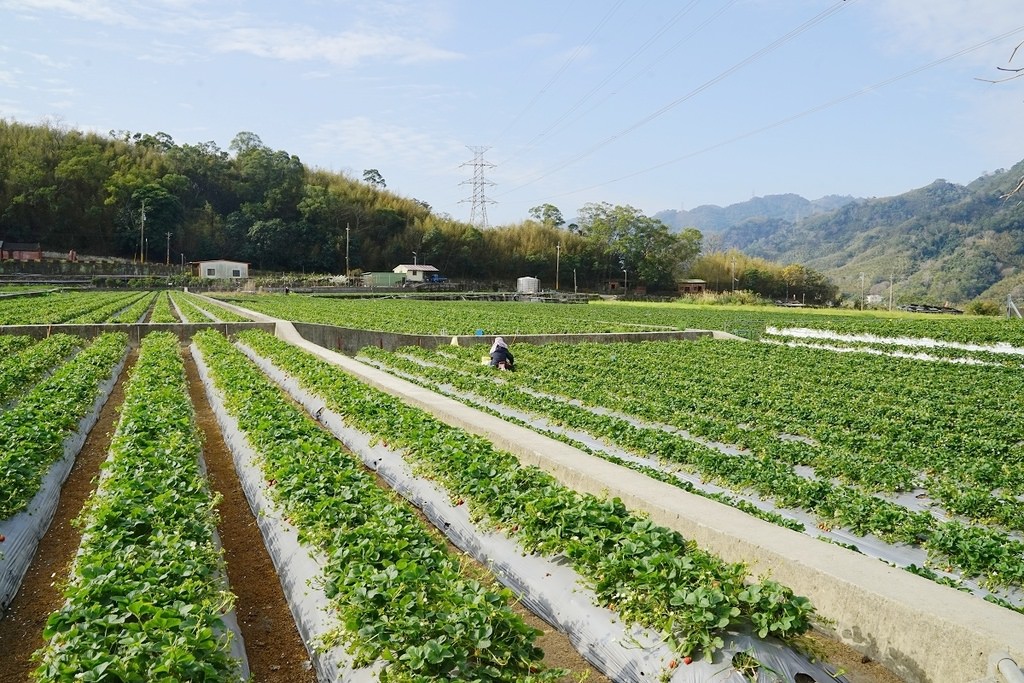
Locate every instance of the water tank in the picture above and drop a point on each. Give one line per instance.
(528, 285)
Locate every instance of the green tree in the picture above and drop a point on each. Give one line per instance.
(373, 177)
(624, 239)
(548, 214)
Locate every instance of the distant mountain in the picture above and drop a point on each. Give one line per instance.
(710, 218)
(940, 243)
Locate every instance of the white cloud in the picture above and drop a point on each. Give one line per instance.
(98, 11)
(9, 109)
(160, 52)
(48, 61)
(387, 144)
(344, 49)
(538, 40)
(940, 28)
(989, 122)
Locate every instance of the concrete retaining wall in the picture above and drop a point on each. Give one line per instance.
(350, 340)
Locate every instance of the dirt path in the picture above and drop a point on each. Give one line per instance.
(21, 630)
(275, 651)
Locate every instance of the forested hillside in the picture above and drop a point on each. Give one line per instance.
(72, 190)
(940, 243)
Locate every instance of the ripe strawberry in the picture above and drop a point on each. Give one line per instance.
(687, 660)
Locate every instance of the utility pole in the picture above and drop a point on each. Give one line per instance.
(479, 201)
(892, 286)
(863, 293)
(558, 254)
(734, 273)
(168, 262)
(1011, 307)
(142, 235)
(348, 270)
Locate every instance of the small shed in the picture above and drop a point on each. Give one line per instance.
(220, 269)
(416, 272)
(20, 251)
(692, 286)
(527, 285)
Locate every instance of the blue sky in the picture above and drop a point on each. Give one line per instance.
(659, 104)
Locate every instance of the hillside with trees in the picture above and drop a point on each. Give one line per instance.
(936, 244)
(145, 197)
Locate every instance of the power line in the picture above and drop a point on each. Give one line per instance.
(807, 25)
(800, 115)
(565, 65)
(554, 127)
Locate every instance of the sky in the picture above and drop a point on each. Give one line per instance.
(655, 104)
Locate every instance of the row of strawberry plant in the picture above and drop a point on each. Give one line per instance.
(188, 309)
(974, 551)
(147, 591)
(650, 575)
(218, 312)
(163, 311)
(12, 343)
(399, 595)
(110, 309)
(54, 308)
(767, 476)
(33, 431)
(439, 380)
(20, 370)
(136, 310)
(882, 424)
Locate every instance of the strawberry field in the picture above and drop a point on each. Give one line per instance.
(360, 498)
(887, 453)
(466, 317)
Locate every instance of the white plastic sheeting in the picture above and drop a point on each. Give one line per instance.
(298, 568)
(914, 342)
(548, 586)
(24, 530)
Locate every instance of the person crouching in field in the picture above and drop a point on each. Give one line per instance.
(501, 357)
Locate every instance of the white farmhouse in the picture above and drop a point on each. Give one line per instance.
(220, 269)
(416, 273)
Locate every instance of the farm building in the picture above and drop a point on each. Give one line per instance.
(692, 286)
(220, 269)
(417, 273)
(20, 251)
